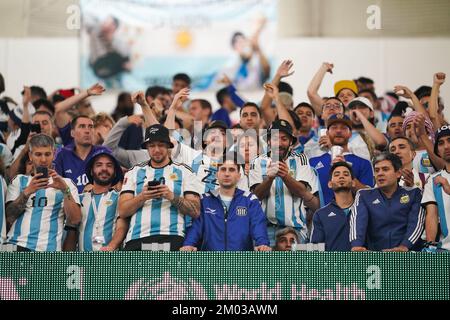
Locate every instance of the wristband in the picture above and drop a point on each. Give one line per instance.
(66, 191)
(431, 244)
(71, 227)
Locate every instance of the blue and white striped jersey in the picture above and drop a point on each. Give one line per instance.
(434, 194)
(159, 216)
(99, 214)
(6, 155)
(2, 210)
(422, 162)
(204, 167)
(40, 227)
(281, 207)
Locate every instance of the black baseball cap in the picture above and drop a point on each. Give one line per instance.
(284, 126)
(157, 133)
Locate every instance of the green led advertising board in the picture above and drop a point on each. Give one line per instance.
(224, 276)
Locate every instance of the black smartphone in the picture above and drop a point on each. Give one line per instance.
(153, 183)
(43, 170)
(35, 127)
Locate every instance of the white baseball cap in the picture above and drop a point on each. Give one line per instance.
(361, 100)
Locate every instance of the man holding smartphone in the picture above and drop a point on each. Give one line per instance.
(158, 196)
(284, 182)
(37, 205)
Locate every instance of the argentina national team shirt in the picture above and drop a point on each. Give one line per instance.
(69, 165)
(6, 155)
(379, 223)
(40, 227)
(3, 189)
(281, 208)
(99, 214)
(434, 193)
(422, 162)
(204, 167)
(159, 216)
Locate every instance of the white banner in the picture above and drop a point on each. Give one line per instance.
(133, 44)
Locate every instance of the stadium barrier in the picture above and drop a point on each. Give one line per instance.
(223, 276)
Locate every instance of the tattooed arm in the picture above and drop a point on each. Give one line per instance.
(188, 205)
(15, 209)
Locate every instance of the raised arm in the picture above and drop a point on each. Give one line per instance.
(26, 105)
(405, 92)
(25, 125)
(374, 133)
(114, 136)
(282, 111)
(283, 71)
(433, 105)
(265, 65)
(419, 125)
(178, 100)
(149, 115)
(313, 88)
(62, 118)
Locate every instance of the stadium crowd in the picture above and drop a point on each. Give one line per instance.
(352, 171)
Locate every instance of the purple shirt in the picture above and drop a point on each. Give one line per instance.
(64, 133)
(69, 165)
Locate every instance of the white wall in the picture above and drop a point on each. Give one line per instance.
(53, 63)
(49, 62)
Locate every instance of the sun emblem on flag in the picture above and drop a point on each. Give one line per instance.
(173, 177)
(184, 39)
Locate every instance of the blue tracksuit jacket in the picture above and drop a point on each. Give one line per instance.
(241, 228)
(331, 225)
(379, 223)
